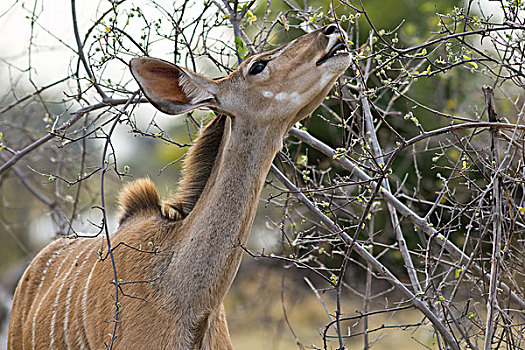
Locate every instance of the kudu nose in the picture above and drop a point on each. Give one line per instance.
(330, 29)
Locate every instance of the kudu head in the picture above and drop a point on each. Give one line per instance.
(280, 86)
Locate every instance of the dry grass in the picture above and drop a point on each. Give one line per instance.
(256, 318)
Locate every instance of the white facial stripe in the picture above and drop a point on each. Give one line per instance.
(267, 94)
(284, 48)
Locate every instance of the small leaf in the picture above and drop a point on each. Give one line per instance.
(303, 159)
(422, 53)
(241, 47)
(333, 279)
(250, 16)
(284, 22)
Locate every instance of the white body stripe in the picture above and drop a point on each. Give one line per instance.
(68, 306)
(41, 302)
(84, 300)
(44, 271)
(57, 299)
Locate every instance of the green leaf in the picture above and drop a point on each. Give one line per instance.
(474, 64)
(241, 47)
(422, 53)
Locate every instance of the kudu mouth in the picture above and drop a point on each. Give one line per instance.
(339, 47)
(337, 50)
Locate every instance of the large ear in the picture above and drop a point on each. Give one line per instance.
(171, 89)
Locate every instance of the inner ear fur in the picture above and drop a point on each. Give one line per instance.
(171, 89)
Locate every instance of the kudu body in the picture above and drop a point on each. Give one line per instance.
(65, 299)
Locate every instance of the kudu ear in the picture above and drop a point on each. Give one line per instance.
(171, 89)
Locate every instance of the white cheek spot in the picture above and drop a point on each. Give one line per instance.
(267, 94)
(281, 96)
(293, 96)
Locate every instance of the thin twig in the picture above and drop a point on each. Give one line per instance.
(378, 267)
(76, 116)
(405, 211)
(492, 300)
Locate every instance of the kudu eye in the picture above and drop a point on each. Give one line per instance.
(257, 67)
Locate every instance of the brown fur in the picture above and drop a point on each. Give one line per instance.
(197, 169)
(141, 195)
(174, 274)
(51, 274)
(137, 196)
